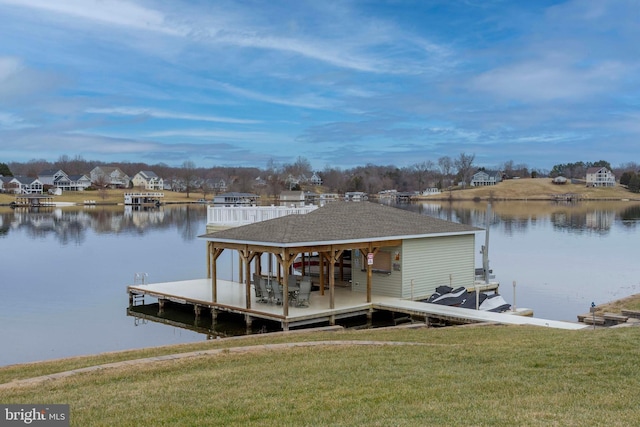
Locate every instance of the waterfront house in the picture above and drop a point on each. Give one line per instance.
(63, 182)
(148, 180)
(600, 177)
(109, 176)
(23, 185)
(78, 183)
(486, 177)
(51, 176)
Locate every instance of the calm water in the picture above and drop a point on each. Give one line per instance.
(64, 272)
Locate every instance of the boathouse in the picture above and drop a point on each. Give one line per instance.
(395, 253)
(397, 259)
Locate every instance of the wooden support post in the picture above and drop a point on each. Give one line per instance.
(248, 321)
(332, 280)
(214, 316)
(130, 299)
(209, 255)
(286, 265)
(196, 310)
(321, 270)
(160, 306)
(332, 320)
(247, 263)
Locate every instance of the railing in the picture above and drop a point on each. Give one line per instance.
(242, 215)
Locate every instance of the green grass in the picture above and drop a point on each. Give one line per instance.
(459, 376)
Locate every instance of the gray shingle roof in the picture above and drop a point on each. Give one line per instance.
(341, 222)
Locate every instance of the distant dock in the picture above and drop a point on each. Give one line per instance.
(143, 199)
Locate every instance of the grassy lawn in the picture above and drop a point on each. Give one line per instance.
(536, 189)
(494, 375)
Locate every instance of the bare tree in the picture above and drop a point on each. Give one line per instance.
(445, 164)
(189, 176)
(422, 171)
(464, 165)
(273, 178)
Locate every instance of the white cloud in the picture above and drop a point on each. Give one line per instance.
(113, 12)
(550, 79)
(151, 112)
(10, 121)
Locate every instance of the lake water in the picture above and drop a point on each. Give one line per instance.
(64, 272)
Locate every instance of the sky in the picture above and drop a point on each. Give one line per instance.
(339, 83)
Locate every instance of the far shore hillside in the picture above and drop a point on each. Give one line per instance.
(535, 189)
(514, 189)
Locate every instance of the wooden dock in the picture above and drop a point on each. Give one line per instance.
(231, 297)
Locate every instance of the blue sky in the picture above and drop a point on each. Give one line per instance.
(343, 84)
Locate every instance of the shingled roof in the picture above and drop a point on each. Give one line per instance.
(341, 222)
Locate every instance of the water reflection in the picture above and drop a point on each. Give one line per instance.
(71, 225)
(511, 218)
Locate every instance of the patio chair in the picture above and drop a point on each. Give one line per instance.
(256, 286)
(264, 290)
(304, 293)
(276, 292)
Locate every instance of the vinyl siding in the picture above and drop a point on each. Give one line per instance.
(432, 262)
(386, 284)
(429, 262)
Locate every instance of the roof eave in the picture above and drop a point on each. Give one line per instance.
(338, 242)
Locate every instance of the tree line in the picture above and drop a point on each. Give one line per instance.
(442, 173)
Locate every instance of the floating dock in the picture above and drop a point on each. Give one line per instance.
(231, 298)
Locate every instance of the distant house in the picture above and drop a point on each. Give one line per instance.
(292, 198)
(220, 185)
(235, 199)
(109, 176)
(59, 179)
(22, 185)
(50, 176)
(486, 177)
(315, 179)
(148, 180)
(600, 177)
(79, 182)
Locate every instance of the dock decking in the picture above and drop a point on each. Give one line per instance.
(231, 297)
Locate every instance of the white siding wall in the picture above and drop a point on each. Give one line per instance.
(382, 283)
(437, 261)
(429, 262)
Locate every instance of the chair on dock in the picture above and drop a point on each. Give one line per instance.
(260, 295)
(264, 290)
(304, 293)
(276, 292)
